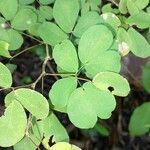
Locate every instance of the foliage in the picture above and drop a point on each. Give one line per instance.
(87, 40)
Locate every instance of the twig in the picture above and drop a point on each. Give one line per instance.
(31, 37)
(25, 50)
(114, 2)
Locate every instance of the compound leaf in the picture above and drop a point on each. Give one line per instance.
(92, 102)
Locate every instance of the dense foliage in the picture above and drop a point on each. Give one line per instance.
(86, 39)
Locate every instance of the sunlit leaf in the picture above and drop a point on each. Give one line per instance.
(106, 80)
(33, 101)
(5, 76)
(65, 13)
(12, 124)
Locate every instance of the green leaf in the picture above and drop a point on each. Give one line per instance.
(46, 13)
(34, 138)
(140, 120)
(94, 4)
(64, 146)
(52, 127)
(46, 2)
(108, 61)
(146, 76)
(65, 56)
(65, 13)
(8, 8)
(107, 8)
(141, 4)
(33, 101)
(2, 23)
(4, 49)
(12, 37)
(33, 29)
(124, 41)
(61, 91)
(26, 2)
(92, 102)
(85, 8)
(12, 124)
(94, 41)
(132, 8)
(11, 67)
(101, 129)
(27, 144)
(5, 77)
(24, 18)
(15, 39)
(40, 52)
(85, 21)
(123, 6)
(112, 20)
(140, 19)
(51, 33)
(139, 46)
(106, 80)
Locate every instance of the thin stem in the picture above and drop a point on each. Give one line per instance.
(47, 51)
(52, 70)
(29, 124)
(36, 81)
(83, 79)
(58, 74)
(114, 2)
(32, 37)
(55, 74)
(34, 143)
(25, 50)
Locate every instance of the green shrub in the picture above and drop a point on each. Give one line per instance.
(83, 38)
